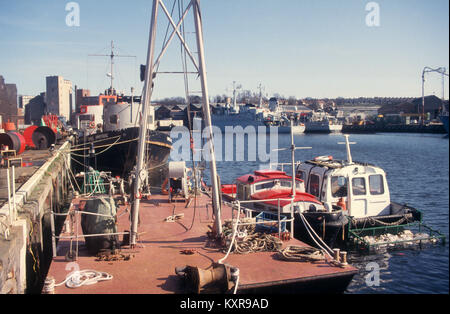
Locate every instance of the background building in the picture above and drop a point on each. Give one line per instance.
(24, 100)
(8, 101)
(35, 109)
(59, 96)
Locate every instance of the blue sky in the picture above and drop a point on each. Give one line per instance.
(301, 48)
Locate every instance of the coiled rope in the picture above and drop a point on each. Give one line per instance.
(302, 254)
(246, 240)
(257, 242)
(77, 279)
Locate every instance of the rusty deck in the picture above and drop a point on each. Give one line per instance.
(152, 263)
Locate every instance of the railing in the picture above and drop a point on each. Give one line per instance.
(236, 205)
(12, 209)
(357, 235)
(93, 182)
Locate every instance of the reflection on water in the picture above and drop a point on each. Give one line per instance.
(397, 271)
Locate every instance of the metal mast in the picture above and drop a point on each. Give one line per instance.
(111, 56)
(207, 117)
(260, 95)
(148, 88)
(150, 74)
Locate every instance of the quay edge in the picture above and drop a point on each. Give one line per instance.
(25, 253)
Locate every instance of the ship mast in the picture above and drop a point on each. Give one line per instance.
(260, 95)
(150, 74)
(111, 56)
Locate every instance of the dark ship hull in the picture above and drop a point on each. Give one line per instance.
(116, 151)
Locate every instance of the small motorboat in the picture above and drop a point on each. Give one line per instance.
(355, 196)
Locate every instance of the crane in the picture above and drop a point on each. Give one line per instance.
(443, 72)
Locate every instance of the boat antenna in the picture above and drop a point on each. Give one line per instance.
(347, 144)
(112, 55)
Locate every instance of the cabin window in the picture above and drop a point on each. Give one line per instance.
(114, 119)
(286, 184)
(338, 186)
(268, 185)
(376, 184)
(359, 186)
(314, 185)
(301, 175)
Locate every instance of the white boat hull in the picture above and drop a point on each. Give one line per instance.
(322, 127)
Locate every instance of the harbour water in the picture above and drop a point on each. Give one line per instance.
(417, 167)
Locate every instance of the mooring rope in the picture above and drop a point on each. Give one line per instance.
(301, 254)
(248, 241)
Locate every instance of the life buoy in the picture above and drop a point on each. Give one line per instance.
(323, 158)
(92, 124)
(164, 190)
(138, 196)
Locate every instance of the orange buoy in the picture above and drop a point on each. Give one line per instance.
(9, 126)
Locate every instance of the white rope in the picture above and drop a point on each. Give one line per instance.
(233, 238)
(235, 277)
(80, 278)
(308, 227)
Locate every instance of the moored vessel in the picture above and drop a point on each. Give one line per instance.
(322, 122)
(356, 202)
(108, 133)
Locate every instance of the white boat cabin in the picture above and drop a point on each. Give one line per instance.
(361, 187)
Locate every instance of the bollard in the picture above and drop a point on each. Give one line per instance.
(344, 258)
(49, 285)
(336, 255)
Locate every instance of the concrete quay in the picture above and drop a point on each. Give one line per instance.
(25, 232)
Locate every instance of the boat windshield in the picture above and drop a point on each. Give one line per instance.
(276, 183)
(338, 186)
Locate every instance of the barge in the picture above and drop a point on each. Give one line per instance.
(174, 235)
